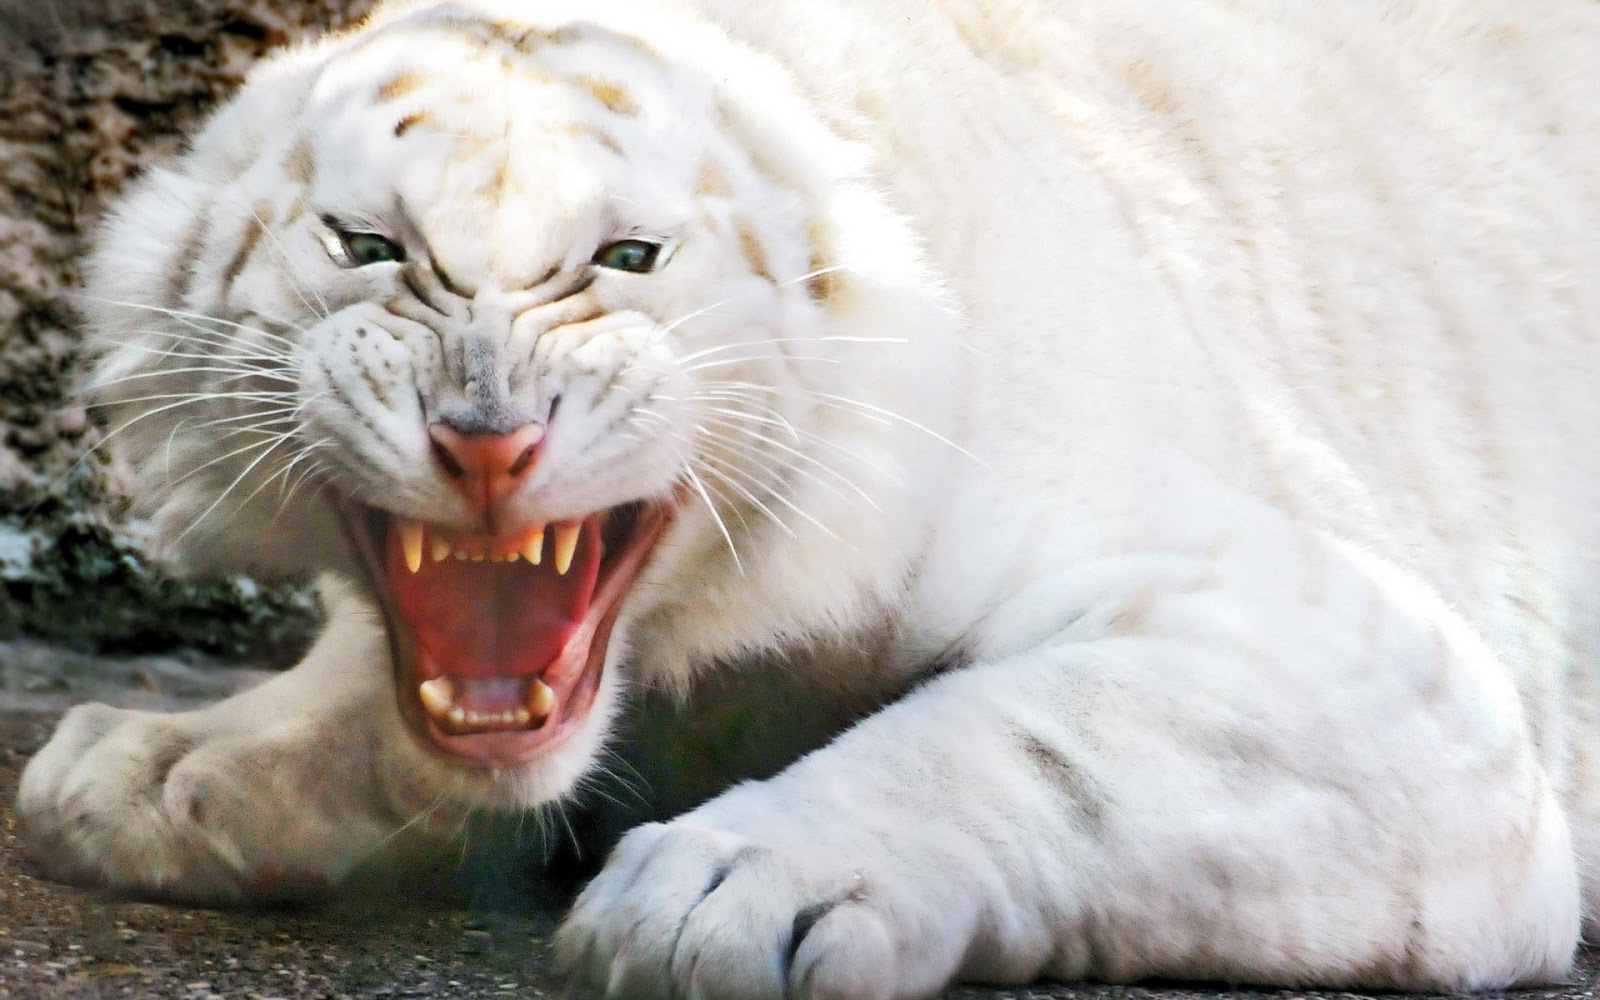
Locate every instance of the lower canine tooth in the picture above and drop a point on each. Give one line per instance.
(441, 549)
(438, 696)
(541, 700)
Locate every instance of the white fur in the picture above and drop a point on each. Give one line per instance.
(1223, 382)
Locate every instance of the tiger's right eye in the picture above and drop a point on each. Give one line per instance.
(362, 249)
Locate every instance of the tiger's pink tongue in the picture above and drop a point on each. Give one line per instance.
(488, 619)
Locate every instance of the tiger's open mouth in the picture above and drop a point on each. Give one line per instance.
(498, 642)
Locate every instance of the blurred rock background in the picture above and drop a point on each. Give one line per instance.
(91, 91)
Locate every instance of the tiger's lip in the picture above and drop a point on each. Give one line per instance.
(572, 680)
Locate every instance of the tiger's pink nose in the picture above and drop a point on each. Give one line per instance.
(486, 468)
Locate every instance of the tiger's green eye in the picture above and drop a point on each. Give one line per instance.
(370, 248)
(637, 256)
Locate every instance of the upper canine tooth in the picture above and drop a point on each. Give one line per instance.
(533, 545)
(566, 544)
(441, 548)
(438, 696)
(411, 542)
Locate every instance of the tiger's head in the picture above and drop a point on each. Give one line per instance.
(564, 335)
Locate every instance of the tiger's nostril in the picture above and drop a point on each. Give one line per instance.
(486, 468)
(442, 455)
(523, 462)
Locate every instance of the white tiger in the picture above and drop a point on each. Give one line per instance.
(1168, 425)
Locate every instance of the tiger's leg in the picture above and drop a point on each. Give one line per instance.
(1220, 781)
(281, 791)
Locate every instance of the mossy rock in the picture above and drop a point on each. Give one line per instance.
(90, 92)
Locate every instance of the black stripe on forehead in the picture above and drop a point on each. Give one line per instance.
(435, 266)
(451, 283)
(408, 277)
(444, 279)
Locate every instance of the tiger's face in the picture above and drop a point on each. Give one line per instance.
(529, 327)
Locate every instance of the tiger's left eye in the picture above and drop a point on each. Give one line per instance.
(638, 256)
(370, 248)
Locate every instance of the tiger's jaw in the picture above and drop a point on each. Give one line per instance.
(498, 643)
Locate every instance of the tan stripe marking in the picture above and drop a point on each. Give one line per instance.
(754, 255)
(590, 132)
(182, 267)
(405, 124)
(573, 34)
(713, 182)
(518, 36)
(497, 184)
(247, 246)
(821, 286)
(401, 85)
(613, 95)
(301, 163)
(1132, 617)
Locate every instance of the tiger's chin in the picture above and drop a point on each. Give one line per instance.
(498, 640)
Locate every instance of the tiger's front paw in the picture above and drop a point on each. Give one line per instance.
(175, 806)
(747, 911)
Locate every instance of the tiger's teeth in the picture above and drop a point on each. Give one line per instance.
(533, 548)
(458, 715)
(541, 700)
(566, 544)
(411, 543)
(438, 696)
(442, 548)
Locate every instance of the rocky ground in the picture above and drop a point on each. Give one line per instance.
(61, 942)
